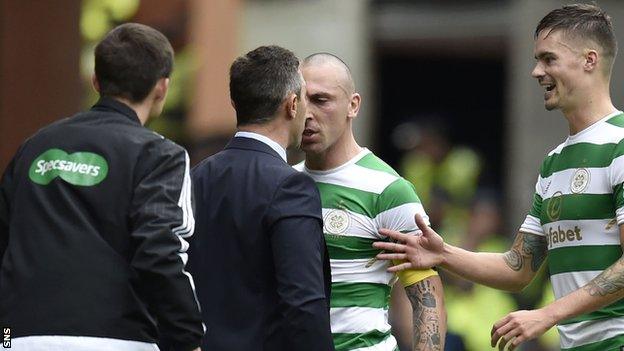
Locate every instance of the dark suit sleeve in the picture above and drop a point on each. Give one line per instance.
(162, 220)
(298, 251)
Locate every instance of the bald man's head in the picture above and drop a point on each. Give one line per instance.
(327, 59)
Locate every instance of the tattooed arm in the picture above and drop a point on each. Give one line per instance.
(511, 271)
(428, 314)
(603, 290)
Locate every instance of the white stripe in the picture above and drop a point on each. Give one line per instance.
(532, 225)
(561, 181)
(359, 225)
(401, 217)
(583, 333)
(357, 177)
(591, 232)
(187, 227)
(598, 133)
(358, 320)
(619, 213)
(565, 283)
(616, 171)
(398, 218)
(388, 344)
(78, 343)
(355, 271)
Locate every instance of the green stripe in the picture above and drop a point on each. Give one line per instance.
(371, 161)
(536, 209)
(342, 197)
(612, 344)
(345, 341)
(581, 155)
(618, 195)
(360, 295)
(400, 192)
(615, 309)
(343, 247)
(576, 207)
(617, 121)
(582, 258)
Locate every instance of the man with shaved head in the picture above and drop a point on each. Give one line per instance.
(361, 194)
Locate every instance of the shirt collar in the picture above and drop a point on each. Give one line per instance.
(106, 103)
(271, 143)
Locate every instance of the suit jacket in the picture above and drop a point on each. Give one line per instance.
(259, 257)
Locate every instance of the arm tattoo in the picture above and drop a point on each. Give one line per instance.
(536, 246)
(527, 247)
(426, 320)
(610, 281)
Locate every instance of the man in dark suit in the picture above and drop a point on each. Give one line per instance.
(259, 257)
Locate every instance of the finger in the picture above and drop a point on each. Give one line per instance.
(394, 234)
(500, 323)
(420, 222)
(394, 247)
(391, 256)
(400, 267)
(508, 338)
(498, 332)
(516, 342)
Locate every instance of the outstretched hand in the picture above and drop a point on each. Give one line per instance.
(419, 251)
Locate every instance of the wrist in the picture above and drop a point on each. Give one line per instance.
(553, 313)
(446, 252)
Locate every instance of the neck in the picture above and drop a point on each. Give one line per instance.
(334, 156)
(269, 130)
(596, 105)
(142, 109)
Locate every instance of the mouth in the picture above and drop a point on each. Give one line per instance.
(308, 132)
(549, 87)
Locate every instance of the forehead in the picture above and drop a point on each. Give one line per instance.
(322, 78)
(554, 41)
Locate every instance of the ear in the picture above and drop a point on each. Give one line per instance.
(95, 83)
(161, 89)
(591, 60)
(291, 106)
(354, 105)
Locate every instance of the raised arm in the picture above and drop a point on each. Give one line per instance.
(511, 271)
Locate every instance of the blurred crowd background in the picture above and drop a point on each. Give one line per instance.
(448, 99)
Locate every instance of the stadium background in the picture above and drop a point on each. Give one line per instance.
(463, 63)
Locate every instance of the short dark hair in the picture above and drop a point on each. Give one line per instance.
(260, 81)
(130, 60)
(585, 21)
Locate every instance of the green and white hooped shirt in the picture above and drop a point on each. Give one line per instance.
(358, 198)
(578, 206)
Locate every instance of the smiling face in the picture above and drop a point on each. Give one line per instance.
(331, 108)
(559, 70)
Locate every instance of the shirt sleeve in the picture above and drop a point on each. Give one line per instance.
(396, 207)
(162, 219)
(616, 179)
(532, 223)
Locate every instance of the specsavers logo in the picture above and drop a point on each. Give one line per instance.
(79, 168)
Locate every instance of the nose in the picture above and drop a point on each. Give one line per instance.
(537, 72)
